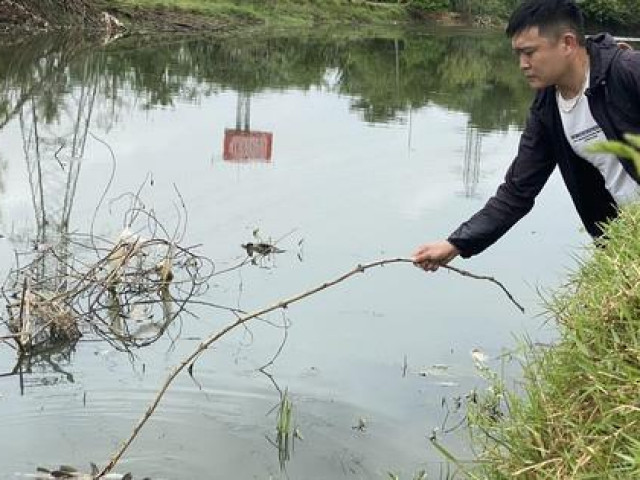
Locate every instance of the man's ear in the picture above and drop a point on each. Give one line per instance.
(570, 42)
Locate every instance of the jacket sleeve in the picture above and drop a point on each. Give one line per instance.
(515, 197)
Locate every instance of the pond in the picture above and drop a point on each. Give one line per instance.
(341, 148)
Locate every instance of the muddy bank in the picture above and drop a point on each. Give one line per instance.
(158, 19)
(45, 15)
(19, 17)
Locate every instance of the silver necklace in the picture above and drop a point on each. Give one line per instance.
(567, 106)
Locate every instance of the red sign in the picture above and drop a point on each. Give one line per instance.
(246, 147)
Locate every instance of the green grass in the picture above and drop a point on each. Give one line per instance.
(576, 414)
(281, 12)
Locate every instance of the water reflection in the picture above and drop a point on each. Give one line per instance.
(55, 295)
(343, 104)
(385, 76)
(53, 154)
(42, 267)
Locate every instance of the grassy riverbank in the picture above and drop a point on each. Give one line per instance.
(308, 12)
(577, 412)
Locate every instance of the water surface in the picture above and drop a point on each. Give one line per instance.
(346, 149)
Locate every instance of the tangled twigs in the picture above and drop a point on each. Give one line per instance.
(283, 304)
(126, 290)
(128, 293)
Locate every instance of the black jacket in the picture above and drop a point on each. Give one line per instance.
(614, 98)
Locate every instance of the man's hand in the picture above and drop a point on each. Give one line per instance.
(430, 256)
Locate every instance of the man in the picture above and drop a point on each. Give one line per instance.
(587, 91)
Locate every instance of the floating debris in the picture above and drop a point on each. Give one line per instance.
(436, 370)
(478, 356)
(447, 384)
(263, 249)
(361, 425)
(69, 472)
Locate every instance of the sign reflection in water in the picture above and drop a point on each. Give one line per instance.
(243, 145)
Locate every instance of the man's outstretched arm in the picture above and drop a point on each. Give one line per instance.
(514, 199)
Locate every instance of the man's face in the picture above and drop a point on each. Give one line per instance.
(543, 59)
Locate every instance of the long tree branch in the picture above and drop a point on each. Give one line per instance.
(283, 304)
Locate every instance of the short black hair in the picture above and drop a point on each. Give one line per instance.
(552, 17)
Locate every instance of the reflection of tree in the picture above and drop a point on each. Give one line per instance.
(35, 69)
(53, 186)
(53, 159)
(54, 89)
(384, 76)
(54, 123)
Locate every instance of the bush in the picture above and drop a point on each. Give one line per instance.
(427, 6)
(612, 12)
(495, 8)
(603, 11)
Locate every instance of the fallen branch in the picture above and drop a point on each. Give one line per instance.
(283, 304)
